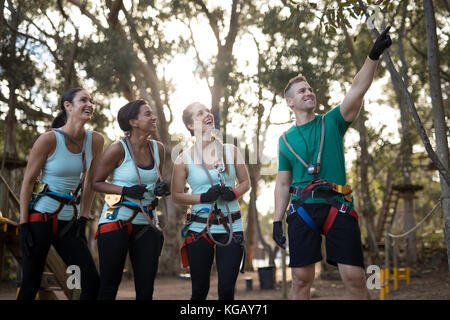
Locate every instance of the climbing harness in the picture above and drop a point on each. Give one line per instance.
(73, 198)
(319, 188)
(215, 217)
(115, 201)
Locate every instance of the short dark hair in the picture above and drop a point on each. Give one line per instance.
(61, 118)
(296, 79)
(128, 112)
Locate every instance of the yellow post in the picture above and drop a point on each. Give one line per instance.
(17, 294)
(395, 278)
(386, 279)
(382, 285)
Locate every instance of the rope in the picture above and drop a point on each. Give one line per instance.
(418, 225)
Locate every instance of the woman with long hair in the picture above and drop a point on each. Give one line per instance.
(54, 209)
(129, 223)
(215, 226)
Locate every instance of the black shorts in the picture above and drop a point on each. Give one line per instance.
(343, 240)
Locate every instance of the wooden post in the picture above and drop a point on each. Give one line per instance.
(58, 267)
(386, 261)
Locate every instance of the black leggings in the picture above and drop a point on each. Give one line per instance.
(228, 259)
(72, 250)
(144, 254)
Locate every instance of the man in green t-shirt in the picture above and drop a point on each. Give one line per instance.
(314, 149)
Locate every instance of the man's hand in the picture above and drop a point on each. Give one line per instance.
(277, 234)
(382, 43)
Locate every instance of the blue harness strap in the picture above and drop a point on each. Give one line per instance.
(309, 221)
(304, 215)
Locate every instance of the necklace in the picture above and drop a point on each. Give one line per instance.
(312, 169)
(304, 140)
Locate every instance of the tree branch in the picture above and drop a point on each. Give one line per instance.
(212, 21)
(234, 26)
(84, 11)
(200, 62)
(423, 135)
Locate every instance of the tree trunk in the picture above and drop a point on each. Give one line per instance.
(368, 208)
(439, 122)
(252, 216)
(406, 146)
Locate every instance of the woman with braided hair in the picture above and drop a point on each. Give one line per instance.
(131, 224)
(215, 227)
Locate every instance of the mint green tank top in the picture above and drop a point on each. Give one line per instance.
(62, 172)
(199, 183)
(125, 175)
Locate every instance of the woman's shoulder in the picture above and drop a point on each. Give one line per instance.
(182, 157)
(45, 144)
(47, 139)
(160, 145)
(98, 138)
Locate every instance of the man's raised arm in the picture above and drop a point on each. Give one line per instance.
(352, 103)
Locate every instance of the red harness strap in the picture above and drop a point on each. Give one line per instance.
(113, 226)
(45, 216)
(332, 216)
(119, 224)
(189, 239)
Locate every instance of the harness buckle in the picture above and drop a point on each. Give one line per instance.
(290, 210)
(343, 208)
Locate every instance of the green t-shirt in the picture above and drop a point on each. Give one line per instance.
(332, 167)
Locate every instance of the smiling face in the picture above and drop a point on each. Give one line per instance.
(301, 97)
(145, 120)
(201, 118)
(81, 107)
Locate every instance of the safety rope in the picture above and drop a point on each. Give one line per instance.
(418, 225)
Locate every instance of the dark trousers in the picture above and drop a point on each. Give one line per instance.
(228, 259)
(73, 251)
(144, 254)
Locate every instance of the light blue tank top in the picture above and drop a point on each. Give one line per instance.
(125, 175)
(199, 183)
(62, 172)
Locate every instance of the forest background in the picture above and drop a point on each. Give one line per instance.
(236, 56)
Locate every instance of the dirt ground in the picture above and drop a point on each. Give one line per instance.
(426, 284)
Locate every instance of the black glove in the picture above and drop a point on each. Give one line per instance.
(277, 235)
(81, 229)
(161, 189)
(25, 238)
(383, 42)
(211, 195)
(227, 193)
(136, 192)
